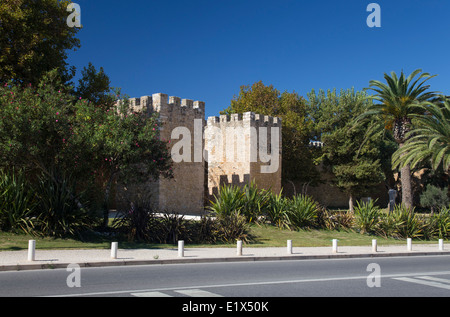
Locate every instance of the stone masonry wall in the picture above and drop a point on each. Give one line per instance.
(241, 149)
(184, 193)
(234, 149)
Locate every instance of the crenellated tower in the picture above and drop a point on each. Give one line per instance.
(242, 148)
(184, 193)
(234, 149)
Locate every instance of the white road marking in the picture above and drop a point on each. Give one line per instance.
(362, 277)
(436, 279)
(423, 282)
(197, 293)
(150, 294)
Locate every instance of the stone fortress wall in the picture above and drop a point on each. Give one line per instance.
(184, 193)
(243, 148)
(234, 149)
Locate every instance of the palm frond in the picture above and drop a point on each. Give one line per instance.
(429, 139)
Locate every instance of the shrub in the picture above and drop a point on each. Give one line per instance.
(61, 212)
(17, 202)
(233, 227)
(408, 223)
(366, 216)
(434, 198)
(438, 225)
(205, 230)
(254, 202)
(230, 200)
(387, 226)
(302, 212)
(172, 227)
(336, 220)
(136, 222)
(248, 201)
(275, 211)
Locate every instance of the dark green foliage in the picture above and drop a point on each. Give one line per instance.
(62, 210)
(142, 223)
(34, 39)
(136, 222)
(434, 198)
(95, 87)
(17, 202)
(50, 206)
(45, 128)
(172, 227)
(355, 162)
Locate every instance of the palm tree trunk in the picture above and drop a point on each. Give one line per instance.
(401, 129)
(350, 204)
(405, 177)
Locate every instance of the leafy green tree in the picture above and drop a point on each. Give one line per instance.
(296, 127)
(429, 139)
(34, 39)
(355, 164)
(44, 129)
(258, 98)
(398, 99)
(95, 87)
(34, 124)
(299, 157)
(117, 143)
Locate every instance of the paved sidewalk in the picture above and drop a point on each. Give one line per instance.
(50, 259)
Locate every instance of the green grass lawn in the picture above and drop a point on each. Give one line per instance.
(264, 236)
(269, 236)
(15, 242)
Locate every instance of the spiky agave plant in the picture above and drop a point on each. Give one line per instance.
(302, 212)
(367, 216)
(18, 202)
(230, 200)
(255, 201)
(277, 206)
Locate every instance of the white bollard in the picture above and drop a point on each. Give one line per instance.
(239, 248)
(180, 248)
(335, 245)
(289, 247)
(114, 247)
(409, 244)
(31, 250)
(374, 245)
(441, 244)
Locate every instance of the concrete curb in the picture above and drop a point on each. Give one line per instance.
(48, 266)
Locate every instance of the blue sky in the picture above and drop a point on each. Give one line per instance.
(206, 49)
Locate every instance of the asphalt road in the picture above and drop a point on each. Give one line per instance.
(418, 276)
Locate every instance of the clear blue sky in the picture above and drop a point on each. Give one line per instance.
(206, 49)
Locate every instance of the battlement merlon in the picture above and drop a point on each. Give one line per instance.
(163, 103)
(247, 117)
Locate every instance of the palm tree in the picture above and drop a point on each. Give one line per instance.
(429, 139)
(398, 102)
